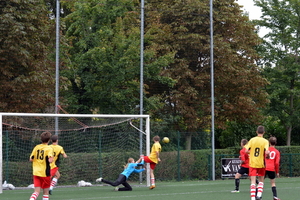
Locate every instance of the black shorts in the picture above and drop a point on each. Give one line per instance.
(270, 174)
(243, 171)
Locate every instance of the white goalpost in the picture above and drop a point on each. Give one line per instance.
(1, 155)
(97, 145)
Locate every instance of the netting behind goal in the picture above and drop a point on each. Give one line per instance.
(96, 145)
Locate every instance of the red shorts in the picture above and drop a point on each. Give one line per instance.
(257, 171)
(42, 182)
(152, 164)
(53, 171)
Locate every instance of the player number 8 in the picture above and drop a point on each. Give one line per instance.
(256, 152)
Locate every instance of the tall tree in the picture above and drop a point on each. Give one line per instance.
(184, 29)
(26, 79)
(102, 62)
(280, 60)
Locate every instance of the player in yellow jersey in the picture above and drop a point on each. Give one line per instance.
(258, 148)
(153, 159)
(41, 157)
(58, 150)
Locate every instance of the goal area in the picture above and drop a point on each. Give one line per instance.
(96, 145)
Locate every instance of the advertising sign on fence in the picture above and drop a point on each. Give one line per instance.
(230, 166)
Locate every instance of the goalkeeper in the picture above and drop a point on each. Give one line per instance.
(123, 177)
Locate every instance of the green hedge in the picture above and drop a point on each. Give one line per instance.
(182, 165)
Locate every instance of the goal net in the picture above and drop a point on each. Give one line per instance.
(96, 145)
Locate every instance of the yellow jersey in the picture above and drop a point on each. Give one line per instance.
(156, 147)
(257, 146)
(57, 151)
(40, 160)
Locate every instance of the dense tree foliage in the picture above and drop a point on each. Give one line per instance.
(103, 58)
(184, 29)
(26, 80)
(100, 61)
(280, 60)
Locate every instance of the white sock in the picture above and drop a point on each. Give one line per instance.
(53, 183)
(260, 189)
(34, 196)
(152, 181)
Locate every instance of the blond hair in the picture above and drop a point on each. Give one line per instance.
(130, 160)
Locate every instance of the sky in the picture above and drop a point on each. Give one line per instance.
(254, 13)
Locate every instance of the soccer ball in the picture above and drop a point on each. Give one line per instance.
(165, 140)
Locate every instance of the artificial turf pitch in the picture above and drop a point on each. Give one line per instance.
(287, 189)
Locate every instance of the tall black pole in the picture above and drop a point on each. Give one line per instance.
(141, 78)
(57, 65)
(212, 90)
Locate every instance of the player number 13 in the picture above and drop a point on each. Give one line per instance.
(40, 154)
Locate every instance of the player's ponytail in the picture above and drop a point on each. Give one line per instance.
(130, 160)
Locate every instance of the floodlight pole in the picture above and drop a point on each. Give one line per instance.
(57, 65)
(212, 92)
(141, 78)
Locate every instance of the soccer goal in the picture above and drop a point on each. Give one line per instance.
(96, 145)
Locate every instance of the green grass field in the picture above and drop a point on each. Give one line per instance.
(287, 189)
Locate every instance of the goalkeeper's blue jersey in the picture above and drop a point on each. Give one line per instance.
(132, 168)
